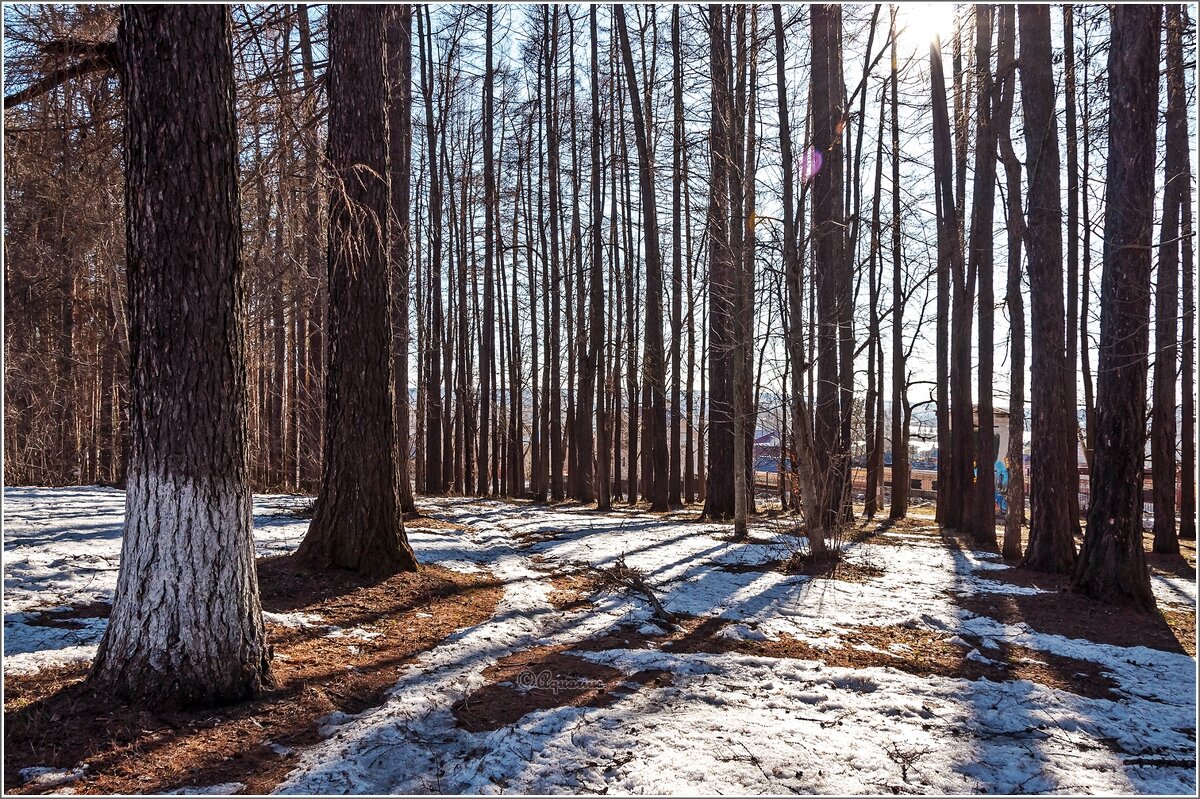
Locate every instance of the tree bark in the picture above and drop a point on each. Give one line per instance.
(186, 624)
(899, 500)
(1112, 564)
(399, 56)
(654, 367)
(983, 515)
(719, 499)
(1166, 297)
(1054, 473)
(357, 521)
(1006, 65)
(434, 467)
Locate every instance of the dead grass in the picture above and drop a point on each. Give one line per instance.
(54, 718)
(916, 651)
(572, 590)
(543, 678)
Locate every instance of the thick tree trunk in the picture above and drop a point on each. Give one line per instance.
(1054, 473)
(357, 518)
(186, 624)
(831, 265)
(1112, 564)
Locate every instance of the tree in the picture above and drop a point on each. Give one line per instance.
(1015, 225)
(719, 499)
(654, 368)
(357, 518)
(595, 352)
(1112, 564)
(982, 517)
(1054, 475)
(487, 334)
(186, 624)
(1166, 296)
(434, 466)
(805, 465)
(399, 61)
(675, 488)
(831, 266)
(899, 503)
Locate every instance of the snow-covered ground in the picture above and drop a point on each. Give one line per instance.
(726, 722)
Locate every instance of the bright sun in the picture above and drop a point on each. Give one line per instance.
(920, 23)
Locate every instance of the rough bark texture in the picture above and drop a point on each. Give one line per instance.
(186, 624)
(357, 519)
(831, 268)
(1054, 474)
(1112, 564)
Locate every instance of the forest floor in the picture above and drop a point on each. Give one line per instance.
(529, 657)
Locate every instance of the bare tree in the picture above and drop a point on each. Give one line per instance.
(1112, 564)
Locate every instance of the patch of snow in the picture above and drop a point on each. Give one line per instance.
(47, 777)
(296, 619)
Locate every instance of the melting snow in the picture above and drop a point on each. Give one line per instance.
(728, 722)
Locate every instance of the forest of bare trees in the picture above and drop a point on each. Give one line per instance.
(723, 258)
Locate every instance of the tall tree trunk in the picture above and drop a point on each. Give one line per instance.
(1112, 564)
(186, 623)
(1054, 473)
(1166, 297)
(983, 516)
(554, 349)
(1015, 224)
(954, 393)
(312, 435)
(654, 367)
(399, 55)
(434, 468)
(831, 265)
(1072, 241)
(357, 518)
(899, 503)
(487, 332)
(874, 399)
(675, 487)
(805, 463)
(593, 357)
(719, 499)
(1187, 458)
